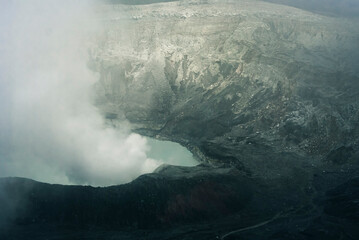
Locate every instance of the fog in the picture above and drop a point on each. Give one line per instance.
(49, 129)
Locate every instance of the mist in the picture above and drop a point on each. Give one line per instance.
(49, 129)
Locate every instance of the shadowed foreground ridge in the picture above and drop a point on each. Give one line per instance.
(184, 203)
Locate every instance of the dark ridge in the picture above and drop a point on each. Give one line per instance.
(163, 198)
(182, 203)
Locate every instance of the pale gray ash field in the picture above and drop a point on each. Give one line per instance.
(263, 94)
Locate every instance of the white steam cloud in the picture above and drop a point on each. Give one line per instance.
(49, 130)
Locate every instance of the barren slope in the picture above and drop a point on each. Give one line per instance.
(244, 82)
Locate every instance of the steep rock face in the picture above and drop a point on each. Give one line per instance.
(256, 85)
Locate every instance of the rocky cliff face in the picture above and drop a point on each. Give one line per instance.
(260, 86)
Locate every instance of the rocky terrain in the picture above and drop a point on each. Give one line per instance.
(251, 84)
(264, 95)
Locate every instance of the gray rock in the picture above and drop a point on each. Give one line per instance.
(256, 85)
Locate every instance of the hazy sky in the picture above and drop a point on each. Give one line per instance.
(337, 7)
(343, 8)
(49, 130)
